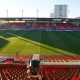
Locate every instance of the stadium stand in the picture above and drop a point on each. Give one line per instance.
(66, 26)
(40, 25)
(60, 72)
(13, 72)
(19, 70)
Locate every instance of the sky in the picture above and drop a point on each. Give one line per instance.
(30, 7)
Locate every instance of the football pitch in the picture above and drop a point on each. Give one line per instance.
(42, 42)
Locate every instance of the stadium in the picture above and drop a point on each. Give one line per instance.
(55, 43)
(40, 48)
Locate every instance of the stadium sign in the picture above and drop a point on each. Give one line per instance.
(30, 19)
(57, 19)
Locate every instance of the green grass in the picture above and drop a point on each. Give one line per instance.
(42, 42)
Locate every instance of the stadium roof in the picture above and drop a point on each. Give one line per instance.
(39, 19)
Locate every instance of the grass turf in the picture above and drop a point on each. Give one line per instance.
(43, 42)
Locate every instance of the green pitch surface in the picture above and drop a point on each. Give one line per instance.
(42, 42)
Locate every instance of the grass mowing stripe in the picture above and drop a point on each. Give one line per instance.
(45, 46)
(50, 41)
